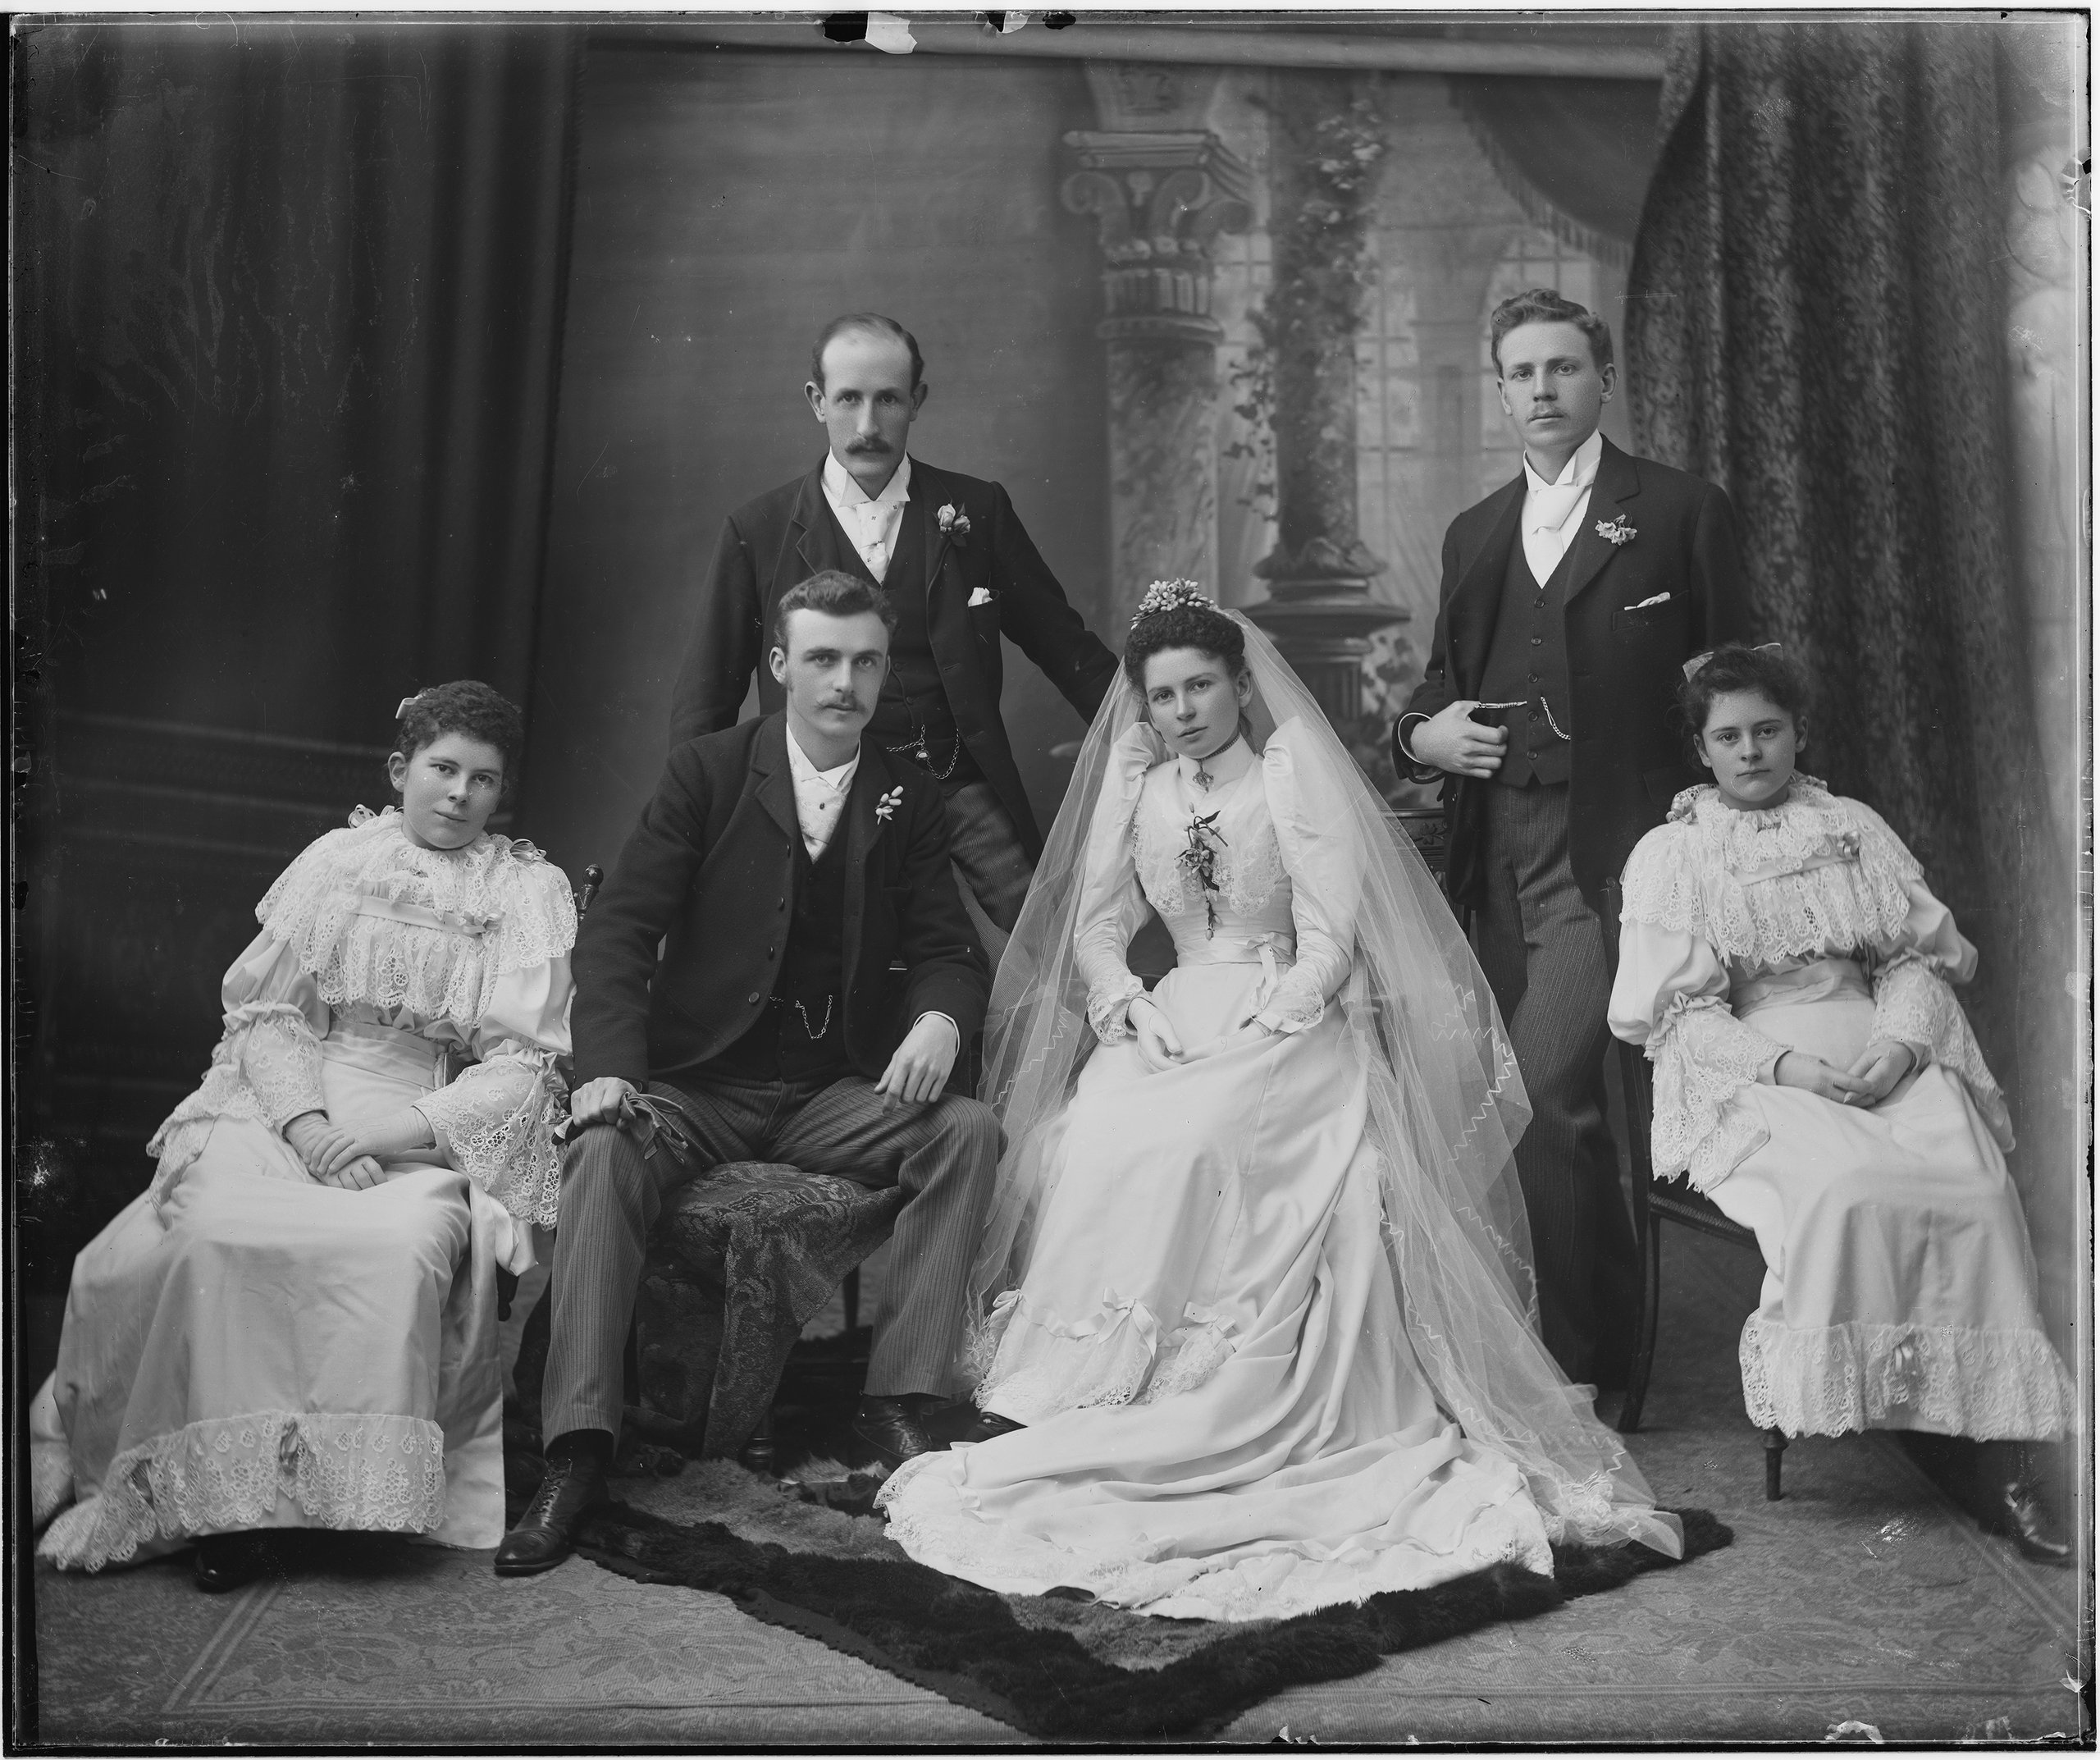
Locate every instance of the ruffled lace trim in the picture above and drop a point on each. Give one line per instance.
(466, 918)
(1108, 1007)
(1914, 1003)
(1820, 871)
(344, 1470)
(1703, 1057)
(266, 1068)
(1193, 1352)
(1041, 1365)
(1965, 1381)
(497, 1122)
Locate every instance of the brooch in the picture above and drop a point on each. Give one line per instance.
(1616, 532)
(887, 804)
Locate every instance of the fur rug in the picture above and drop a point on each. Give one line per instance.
(810, 1555)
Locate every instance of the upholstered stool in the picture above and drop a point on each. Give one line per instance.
(742, 1258)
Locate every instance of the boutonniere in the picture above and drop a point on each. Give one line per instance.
(887, 804)
(1616, 532)
(955, 522)
(983, 596)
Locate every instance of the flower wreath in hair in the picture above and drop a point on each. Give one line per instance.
(1170, 596)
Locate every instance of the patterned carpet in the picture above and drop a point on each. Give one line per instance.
(1862, 1597)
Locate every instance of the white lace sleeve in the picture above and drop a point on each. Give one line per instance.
(496, 1122)
(1914, 1003)
(1671, 996)
(279, 1055)
(1112, 904)
(266, 1066)
(1325, 859)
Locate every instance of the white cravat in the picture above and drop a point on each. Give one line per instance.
(871, 522)
(820, 795)
(1554, 511)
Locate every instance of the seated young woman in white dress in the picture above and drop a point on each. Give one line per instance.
(295, 1325)
(1790, 974)
(1253, 1308)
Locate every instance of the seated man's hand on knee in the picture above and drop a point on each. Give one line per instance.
(919, 1067)
(606, 1099)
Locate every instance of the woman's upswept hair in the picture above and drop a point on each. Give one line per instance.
(1737, 666)
(465, 706)
(1203, 628)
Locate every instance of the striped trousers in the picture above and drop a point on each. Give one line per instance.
(1542, 948)
(616, 1180)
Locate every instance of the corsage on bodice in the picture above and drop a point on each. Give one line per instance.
(1236, 871)
(1210, 864)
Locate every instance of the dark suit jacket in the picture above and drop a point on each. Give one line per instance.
(1623, 664)
(710, 867)
(788, 535)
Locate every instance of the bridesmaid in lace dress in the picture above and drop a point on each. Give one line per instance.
(1790, 974)
(294, 1326)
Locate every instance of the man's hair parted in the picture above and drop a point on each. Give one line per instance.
(1543, 305)
(869, 323)
(836, 594)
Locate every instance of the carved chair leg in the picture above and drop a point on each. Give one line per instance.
(849, 1296)
(757, 1454)
(1775, 1445)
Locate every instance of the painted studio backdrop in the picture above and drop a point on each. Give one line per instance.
(356, 356)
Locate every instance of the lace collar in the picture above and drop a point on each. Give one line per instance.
(1817, 871)
(462, 917)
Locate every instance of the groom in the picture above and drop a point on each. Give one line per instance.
(1572, 596)
(782, 866)
(961, 572)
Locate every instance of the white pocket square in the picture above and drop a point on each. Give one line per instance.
(983, 596)
(1660, 598)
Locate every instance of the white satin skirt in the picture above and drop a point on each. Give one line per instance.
(1899, 1285)
(1226, 1419)
(256, 1350)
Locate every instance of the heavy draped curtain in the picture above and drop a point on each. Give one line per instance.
(1816, 321)
(289, 298)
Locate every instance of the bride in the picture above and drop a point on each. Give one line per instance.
(1254, 1323)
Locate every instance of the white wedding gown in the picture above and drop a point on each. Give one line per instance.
(1225, 1415)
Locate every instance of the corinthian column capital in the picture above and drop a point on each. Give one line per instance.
(1159, 198)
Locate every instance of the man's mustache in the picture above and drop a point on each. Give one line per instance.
(868, 446)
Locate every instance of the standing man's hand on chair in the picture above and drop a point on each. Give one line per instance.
(606, 1099)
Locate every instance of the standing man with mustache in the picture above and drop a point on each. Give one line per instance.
(1571, 598)
(957, 565)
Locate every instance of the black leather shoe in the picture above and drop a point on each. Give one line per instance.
(542, 1538)
(2018, 1509)
(228, 1561)
(890, 1430)
(989, 1425)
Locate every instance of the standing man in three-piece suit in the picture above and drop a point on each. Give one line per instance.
(782, 866)
(959, 570)
(1571, 597)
